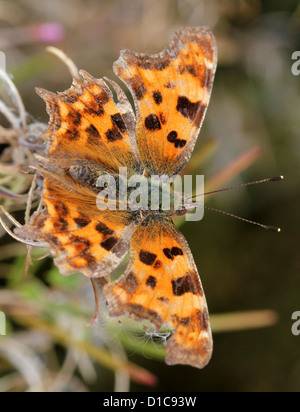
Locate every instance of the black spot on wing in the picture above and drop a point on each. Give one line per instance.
(78, 118)
(190, 110)
(103, 229)
(92, 133)
(176, 251)
(169, 85)
(172, 136)
(157, 97)
(204, 319)
(152, 122)
(168, 254)
(55, 241)
(95, 106)
(72, 134)
(75, 118)
(171, 253)
(138, 87)
(157, 264)
(147, 258)
(192, 70)
(163, 299)
(55, 121)
(129, 282)
(81, 245)
(119, 122)
(142, 313)
(147, 62)
(81, 222)
(109, 243)
(61, 208)
(185, 321)
(60, 225)
(70, 98)
(186, 284)
(90, 259)
(162, 118)
(113, 134)
(102, 98)
(178, 143)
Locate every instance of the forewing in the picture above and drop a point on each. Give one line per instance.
(86, 124)
(162, 285)
(171, 92)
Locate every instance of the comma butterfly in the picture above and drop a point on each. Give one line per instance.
(91, 134)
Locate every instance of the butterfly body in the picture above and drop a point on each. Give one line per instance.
(91, 140)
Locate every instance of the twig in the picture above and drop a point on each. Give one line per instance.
(65, 59)
(16, 97)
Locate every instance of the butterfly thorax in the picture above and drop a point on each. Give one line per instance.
(139, 193)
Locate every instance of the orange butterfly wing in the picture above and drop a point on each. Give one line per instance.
(87, 125)
(162, 285)
(171, 92)
(88, 135)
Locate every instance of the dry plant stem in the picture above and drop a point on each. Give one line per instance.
(11, 250)
(65, 59)
(122, 378)
(16, 249)
(19, 239)
(100, 355)
(25, 361)
(5, 180)
(30, 198)
(42, 257)
(28, 261)
(13, 120)
(10, 217)
(7, 193)
(96, 312)
(16, 98)
(65, 373)
(9, 169)
(85, 366)
(97, 285)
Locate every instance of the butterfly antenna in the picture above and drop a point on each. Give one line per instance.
(271, 179)
(272, 228)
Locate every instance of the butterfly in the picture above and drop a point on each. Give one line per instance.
(93, 130)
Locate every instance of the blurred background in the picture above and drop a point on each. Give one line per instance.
(250, 275)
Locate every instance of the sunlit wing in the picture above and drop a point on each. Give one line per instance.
(162, 285)
(171, 92)
(88, 135)
(82, 238)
